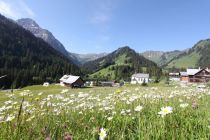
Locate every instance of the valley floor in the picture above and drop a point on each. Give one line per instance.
(125, 113)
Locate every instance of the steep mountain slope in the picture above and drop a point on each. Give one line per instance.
(44, 34)
(160, 57)
(84, 58)
(153, 55)
(26, 59)
(197, 56)
(120, 64)
(168, 56)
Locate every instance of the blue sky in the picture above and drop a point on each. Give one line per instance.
(93, 26)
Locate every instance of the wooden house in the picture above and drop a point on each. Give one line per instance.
(72, 81)
(202, 76)
(195, 76)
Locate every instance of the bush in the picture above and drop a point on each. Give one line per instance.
(144, 83)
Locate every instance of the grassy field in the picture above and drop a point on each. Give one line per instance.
(125, 113)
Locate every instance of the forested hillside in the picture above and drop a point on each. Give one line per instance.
(28, 60)
(120, 65)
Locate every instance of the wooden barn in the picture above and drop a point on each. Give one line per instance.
(72, 81)
(202, 76)
(195, 76)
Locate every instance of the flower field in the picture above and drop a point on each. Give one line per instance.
(125, 113)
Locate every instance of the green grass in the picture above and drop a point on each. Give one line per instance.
(104, 72)
(187, 61)
(82, 112)
(120, 60)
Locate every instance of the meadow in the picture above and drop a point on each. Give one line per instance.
(154, 112)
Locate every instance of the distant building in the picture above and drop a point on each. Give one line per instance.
(139, 78)
(174, 76)
(46, 84)
(106, 83)
(195, 75)
(72, 81)
(184, 77)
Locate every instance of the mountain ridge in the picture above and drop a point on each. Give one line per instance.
(120, 64)
(197, 56)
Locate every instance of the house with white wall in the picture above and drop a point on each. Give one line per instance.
(139, 78)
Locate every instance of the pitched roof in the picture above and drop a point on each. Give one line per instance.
(141, 75)
(64, 77)
(192, 71)
(183, 74)
(69, 79)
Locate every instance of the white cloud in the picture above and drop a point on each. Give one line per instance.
(6, 9)
(15, 9)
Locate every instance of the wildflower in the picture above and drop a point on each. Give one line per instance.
(138, 108)
(29, 119)
(48, 138)
(8, 102)
(180, 100)
(194, 105)
(184, 105)
(10, 118)
(68, 136)
(1, 119)
(64, 91)
(113, 113)
(102, 134)
(118, 91)
(165, 110)
(128, 111)
(109, 118)
(122, 112)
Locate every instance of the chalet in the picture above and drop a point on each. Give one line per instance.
(195, 76)
(201, 76)
(72, 81)
(139, 78)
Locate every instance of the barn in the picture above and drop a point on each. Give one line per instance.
(202, 76)
(195, 76)
(72, 81)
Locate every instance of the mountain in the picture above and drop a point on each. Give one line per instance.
(84, 58)
(27, 60)
(197, 56)
(160, 57)
(44, 34)
(153, 55)
(120, 64)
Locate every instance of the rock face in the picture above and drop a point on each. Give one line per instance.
(160, 57)
(44, 34)
(84, 58)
